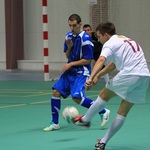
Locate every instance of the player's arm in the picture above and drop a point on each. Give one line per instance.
(69, 45)
(80, 62)
(107, 69)
(96, 69)
(67, 53)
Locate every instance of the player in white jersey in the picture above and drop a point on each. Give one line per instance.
(131, 82)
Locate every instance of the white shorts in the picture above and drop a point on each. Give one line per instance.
(131, 88)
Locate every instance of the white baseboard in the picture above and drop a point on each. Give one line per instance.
(38, 65)
(2, 65)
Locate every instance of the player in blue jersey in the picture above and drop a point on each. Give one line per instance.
(78, 48)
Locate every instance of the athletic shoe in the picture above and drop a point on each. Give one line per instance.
(52, 126)
(100, 146)
(104, 118)
(78, 121)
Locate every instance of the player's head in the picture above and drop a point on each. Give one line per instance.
(104, 31)
(75, 23)
(87, 28)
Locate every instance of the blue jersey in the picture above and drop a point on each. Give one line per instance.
(82, 49)
(72, 81)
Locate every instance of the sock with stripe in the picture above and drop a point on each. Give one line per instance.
(55, 108)
(87, 102)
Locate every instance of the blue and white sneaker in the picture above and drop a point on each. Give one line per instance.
(52, 126)
(104, 118)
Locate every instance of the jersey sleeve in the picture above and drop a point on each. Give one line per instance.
(68, 35)
(65, 46)
(108, 54)
(87, 48)
(87, 51)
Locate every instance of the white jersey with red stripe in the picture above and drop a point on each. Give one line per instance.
(126, 54)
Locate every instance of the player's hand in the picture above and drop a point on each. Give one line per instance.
(66, 67)
(69, 43)
(95, 80)
(88, 84)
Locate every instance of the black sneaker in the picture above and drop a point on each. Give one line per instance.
(78, 121)
(100, 146)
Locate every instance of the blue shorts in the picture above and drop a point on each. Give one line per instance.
(71, 84)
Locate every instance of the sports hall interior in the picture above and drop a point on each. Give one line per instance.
(25, 87)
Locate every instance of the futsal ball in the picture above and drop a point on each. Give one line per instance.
(69, 113)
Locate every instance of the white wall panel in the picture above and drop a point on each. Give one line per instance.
(132, 19)
(58, 13)
(33, 34)
(2, 32)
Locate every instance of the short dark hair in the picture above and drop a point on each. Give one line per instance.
(75, 17)
(87, 25)
(107, 27)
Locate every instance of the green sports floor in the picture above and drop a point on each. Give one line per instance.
(25, 111)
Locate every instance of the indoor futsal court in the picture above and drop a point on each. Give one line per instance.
(25, 111)
(32, 43)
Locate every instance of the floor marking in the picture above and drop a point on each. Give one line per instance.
(41, 102)
(33, 103)
(8, 106)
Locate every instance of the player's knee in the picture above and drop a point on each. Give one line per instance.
(103, 95)
(124, 108)
(77, 100)
(106, 94)
(56, 93)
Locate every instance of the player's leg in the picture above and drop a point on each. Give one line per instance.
(59, 89)
(115, 84)
(104, 113)
(100, 102)
(78, 94)
(55, 108)
(116, 125)
(97, 106)
(134, 89)
(87, 102)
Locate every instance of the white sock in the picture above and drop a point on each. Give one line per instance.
(115, 126)
(106, 78)
(96, 107)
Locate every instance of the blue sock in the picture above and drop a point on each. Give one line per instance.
(87, 102)
(103, 111)
(55, 108)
